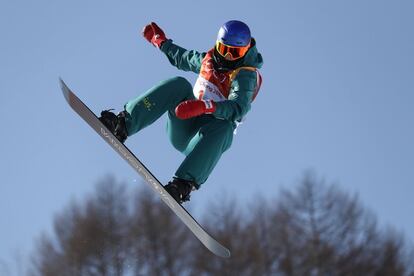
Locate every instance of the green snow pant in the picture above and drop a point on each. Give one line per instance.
(201, 139)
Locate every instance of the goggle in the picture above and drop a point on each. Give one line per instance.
(231, 52)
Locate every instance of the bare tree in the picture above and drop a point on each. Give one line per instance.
(313, 229)
(321, 230)
(160, 242)
(315, 225)
(90, 237)
(225, 222)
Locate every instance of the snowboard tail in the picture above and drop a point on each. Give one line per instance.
(87, 115)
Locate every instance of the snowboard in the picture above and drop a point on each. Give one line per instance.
(86, 114)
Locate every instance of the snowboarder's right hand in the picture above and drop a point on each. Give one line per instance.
(154, 34)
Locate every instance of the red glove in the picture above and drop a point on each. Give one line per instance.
(154, 34)
(193, 108)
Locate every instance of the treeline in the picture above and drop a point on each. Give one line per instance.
(312, 229)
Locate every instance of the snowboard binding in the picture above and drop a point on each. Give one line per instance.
(180, 189)
(115, 123)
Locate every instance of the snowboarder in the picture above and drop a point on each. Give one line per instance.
(201, 119)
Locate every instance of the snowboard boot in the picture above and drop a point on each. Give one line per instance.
(180, 189)
(115, 123)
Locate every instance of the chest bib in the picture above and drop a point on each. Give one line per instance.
(214, 85)
(211, 84)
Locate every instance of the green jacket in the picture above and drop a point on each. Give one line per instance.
(242, 87)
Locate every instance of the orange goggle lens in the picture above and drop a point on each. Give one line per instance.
(231, 52)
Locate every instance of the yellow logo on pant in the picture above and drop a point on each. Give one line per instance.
(148, 104)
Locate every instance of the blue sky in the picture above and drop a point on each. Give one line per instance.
(337, 97)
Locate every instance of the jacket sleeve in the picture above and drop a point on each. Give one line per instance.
(186, 60)
(240, 98)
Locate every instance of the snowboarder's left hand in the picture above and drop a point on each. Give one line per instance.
(154, 34)
(193, 108)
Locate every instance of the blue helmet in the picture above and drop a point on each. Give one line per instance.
(234, 33)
